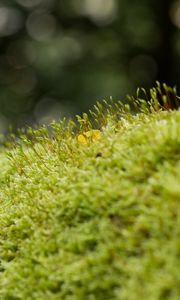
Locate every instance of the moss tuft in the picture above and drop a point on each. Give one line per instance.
(96, 220)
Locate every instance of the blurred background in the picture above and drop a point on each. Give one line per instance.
(57, 57)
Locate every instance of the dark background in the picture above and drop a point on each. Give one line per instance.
(58, 57)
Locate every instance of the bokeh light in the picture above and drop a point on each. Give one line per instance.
(102, 12)
(25, 82)
(20, 54)
(175, 13)
(10, 21)
(48, 109)
(31, 4)
(41, 26)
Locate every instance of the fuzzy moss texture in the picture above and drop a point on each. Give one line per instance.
(93, 221)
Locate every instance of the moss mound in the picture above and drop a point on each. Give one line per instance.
(96, 220)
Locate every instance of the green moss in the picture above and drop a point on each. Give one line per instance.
(97, 221)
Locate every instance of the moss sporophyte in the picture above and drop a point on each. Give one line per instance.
(76, 227)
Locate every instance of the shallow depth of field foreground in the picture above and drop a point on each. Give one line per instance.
(91, 213)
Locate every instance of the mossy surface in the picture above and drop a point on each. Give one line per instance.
(96, 221)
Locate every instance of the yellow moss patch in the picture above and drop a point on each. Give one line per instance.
(91, 135)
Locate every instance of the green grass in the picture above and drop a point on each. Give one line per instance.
(97, 221)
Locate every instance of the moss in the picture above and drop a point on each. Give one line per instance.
(93, 221)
